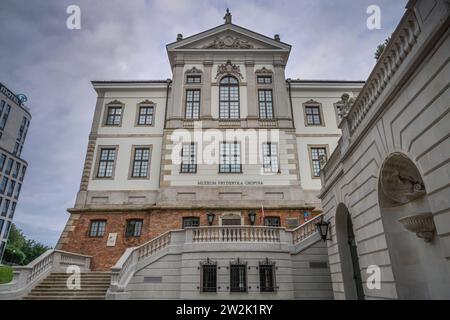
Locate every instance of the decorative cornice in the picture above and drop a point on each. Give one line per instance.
(115, 102)
(229, 68)
(146, 101)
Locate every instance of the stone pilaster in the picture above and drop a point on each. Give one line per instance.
(205, 106)
(252, 99)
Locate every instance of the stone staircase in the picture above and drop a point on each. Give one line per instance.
(93, 286)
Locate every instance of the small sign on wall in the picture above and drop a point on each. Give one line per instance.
(111, 240)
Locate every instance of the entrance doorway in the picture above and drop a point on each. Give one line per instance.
(350, 268)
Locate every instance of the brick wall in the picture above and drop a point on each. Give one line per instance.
(155, 223)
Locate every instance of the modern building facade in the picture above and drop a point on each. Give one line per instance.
(386, 190)
(15, 119)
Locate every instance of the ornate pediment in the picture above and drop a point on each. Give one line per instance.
(194, 70)
(264, 70)
(115, 102)
(228, 42)
(229, 68)
(146, 102)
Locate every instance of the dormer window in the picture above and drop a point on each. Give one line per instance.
(193, 79)
(264, 79)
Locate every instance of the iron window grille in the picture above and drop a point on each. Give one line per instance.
(113, 116)
(267, 281)
(229, 98)
(106, 163)
(191, 222)
(193, 79)
(238, 276)
(208, 276)
(133, 228)
(270, 157)
(272, 221)
(192, 104)
(97, 228)
(189, 158)
(316, 154)
(146, 114)
(265, 104)
(313, 117)
(264, 79)
(230, 157)
(140, 162)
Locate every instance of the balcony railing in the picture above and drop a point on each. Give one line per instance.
(236, 234)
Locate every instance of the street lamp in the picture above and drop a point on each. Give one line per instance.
(210, 216)
(252, 217)
(323, 227)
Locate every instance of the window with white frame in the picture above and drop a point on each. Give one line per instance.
(113, 116)
(270, 157)
(313, 116)
(229, 98)
(230, 157)
(133, 228)
(265, 104)
(97, 228)
(189, 158)
(316, 155)
(140, 162)
(106, 163)
(264, 79)
(146, 115)
(192, 103)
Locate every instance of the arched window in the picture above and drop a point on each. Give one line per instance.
(229, 98)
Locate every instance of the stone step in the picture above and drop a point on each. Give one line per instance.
(61, 289)
(100, 297)
(68, 293)
(61, 285)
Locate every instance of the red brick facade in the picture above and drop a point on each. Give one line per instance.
(155, 223)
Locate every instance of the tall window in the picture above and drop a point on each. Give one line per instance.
(191, 222)
(146, 115)
(208, 276)
(12, 185)
(265, 104)
(230, 157)
(316, 154)
(106, 163)
(267, 276)
(113, 116)
(5, 208)
(140, 162)
(9, 166)
(192, 103)
(2, 161)
(16, 170)
(272, 221)
(313, 117)
(133, 228)
(5, 117)
(3, 185)
(189, 158)
(238, 277)
(13, 209)
(19, 187)
(270, 157)
(229, 98)
(97, 228)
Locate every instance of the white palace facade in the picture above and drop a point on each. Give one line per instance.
(230, 181)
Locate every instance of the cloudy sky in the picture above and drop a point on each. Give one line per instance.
(122, 39)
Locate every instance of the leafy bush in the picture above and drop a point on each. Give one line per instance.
(6, 274)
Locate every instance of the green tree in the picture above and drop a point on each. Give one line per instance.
(20, 250)
(380, 48)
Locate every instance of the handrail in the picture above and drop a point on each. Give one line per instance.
(50, 261)
(306, 229)
(122, 271)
